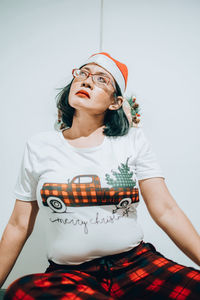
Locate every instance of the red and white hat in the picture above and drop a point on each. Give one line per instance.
(117, 69)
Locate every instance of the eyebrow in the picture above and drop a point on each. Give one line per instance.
(99, 73)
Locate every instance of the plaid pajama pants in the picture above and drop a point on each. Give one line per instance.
(141, 273)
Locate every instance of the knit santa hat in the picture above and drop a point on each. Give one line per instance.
(117, 69)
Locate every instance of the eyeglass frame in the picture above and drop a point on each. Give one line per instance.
(91, 74)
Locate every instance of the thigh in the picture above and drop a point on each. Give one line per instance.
(56, 285)
(150, 275)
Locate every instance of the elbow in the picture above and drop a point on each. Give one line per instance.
(161, 208)
(26, 229)
(159, 201)
(168, 213)
(22, 228)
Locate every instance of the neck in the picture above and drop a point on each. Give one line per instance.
(85, 125)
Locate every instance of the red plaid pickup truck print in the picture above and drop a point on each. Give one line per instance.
(86, 190)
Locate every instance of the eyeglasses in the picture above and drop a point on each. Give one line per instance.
(99, 79)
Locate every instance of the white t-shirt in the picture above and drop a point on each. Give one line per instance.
(89, 196)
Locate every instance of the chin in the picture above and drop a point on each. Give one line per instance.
(79, 103)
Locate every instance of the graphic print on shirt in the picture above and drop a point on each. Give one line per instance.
(86, 190)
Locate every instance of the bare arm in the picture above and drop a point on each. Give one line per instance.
(168, 215)
(16, 233)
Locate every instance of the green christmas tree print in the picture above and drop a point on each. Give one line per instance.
(123, 178)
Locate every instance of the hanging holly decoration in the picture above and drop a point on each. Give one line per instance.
(134, 109)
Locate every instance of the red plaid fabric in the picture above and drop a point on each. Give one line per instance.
(141, 274)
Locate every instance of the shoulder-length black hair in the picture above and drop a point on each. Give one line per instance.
(115, 121)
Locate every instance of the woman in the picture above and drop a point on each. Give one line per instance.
(85, 179)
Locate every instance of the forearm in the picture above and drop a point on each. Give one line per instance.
(11, 244)
(179, 228)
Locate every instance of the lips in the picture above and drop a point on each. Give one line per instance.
(83, 93)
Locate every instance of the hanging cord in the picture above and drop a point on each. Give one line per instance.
(101, 27)
(105, 265)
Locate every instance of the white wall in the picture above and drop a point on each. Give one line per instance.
(160, 42)
(42, 40)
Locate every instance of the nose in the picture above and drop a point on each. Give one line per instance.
(88, 82)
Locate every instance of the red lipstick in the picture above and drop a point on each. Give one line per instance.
(83, 93)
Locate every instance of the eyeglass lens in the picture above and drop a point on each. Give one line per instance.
(97, 78)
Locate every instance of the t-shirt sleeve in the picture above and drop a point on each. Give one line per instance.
(26, 184)
(146, 163)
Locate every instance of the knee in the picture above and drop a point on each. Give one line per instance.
(16, 289)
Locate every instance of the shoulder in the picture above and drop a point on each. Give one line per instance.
(133, 138)
(132, 134)
(138, 138)
(135, 132)
(42, 138)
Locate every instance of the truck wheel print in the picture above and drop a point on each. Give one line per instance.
(56, 204)
(124, 203)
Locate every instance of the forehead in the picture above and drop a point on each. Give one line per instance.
(94, 68)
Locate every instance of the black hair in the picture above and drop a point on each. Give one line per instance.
(115, 121)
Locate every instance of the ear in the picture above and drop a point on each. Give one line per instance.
(116, 104)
